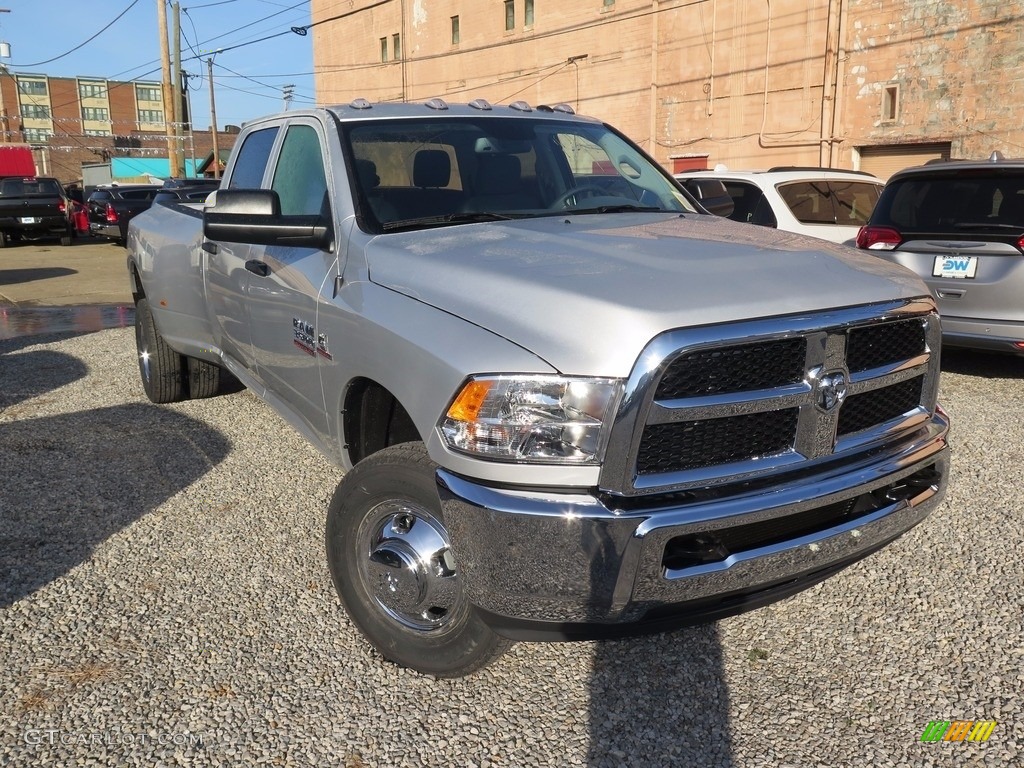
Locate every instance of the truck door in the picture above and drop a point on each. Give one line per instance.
(283, 298)
(227, 264)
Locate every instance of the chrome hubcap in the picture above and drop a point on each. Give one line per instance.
(409, 567)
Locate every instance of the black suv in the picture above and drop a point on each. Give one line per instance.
(111, 208)
(960, 226)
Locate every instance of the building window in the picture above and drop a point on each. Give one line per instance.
(609, 4)
(510, 15)
(94, 113)
(383, 49)
(32, 87)
(890, 103)
(148, 94)
(455, 30)
(150, 115)
(35, 111)
(92, 91)
(396, 46)
(93, 132)
(36, 134)
(528, 13)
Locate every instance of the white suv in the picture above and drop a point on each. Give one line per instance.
(821, 202)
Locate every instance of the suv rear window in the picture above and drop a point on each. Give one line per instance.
(830, 202)
(961, 201)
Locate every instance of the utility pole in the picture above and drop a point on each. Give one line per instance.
(287, 92)
(177, 162)
(213, 121)
(5, 123)
(165, 61)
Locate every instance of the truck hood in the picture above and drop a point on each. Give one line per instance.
(587, 293)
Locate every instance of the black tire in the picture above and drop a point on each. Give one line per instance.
(161, 368)
(203, 378)
(65, 240)
(3, 239)
(419, 616)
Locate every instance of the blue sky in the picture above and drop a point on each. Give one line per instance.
(260, 53)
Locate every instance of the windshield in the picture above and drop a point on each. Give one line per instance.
(431, 172)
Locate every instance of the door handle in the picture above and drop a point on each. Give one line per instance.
(257, 267)
(951, 293)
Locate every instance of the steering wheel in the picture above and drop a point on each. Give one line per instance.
(587, 190)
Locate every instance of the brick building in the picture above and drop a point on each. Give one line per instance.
(74, 121)
(871, 84)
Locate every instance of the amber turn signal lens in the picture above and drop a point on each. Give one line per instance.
(470, 400)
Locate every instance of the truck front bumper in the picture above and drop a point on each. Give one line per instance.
(549, 565)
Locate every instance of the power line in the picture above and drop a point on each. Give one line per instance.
(81, 45)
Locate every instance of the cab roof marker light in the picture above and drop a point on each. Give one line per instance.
(438, 104)
(480, 104)
(360, 104)
(520, 106)
(564, 108)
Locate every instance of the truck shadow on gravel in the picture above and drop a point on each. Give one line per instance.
(660, 700)
(73, 480)
(985, 365)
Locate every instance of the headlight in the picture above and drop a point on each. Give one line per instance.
(548, 419)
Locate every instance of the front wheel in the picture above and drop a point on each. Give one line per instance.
(396, 572)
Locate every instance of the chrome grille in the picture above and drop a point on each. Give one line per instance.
(694, 444)
(883, 344)
(734, 369)
(729, 404)
(879, 406)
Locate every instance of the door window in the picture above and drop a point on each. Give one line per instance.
(299, 178)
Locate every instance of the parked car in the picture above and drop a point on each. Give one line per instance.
(176, 182)
(33, 208)
(960, 226)
(171, 195)
(111, 208)
(827, 203)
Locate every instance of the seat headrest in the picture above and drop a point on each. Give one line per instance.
(498, 174)
(367, 172)
(431, 168)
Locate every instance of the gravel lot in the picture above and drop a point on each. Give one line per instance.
(164, 600)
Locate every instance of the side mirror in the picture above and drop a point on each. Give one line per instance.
(254, 216)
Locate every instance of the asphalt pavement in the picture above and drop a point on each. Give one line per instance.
(165, 600)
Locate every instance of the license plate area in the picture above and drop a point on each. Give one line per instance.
(956, 267)
(29, 219)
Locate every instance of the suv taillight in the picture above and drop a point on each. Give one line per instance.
(1020, 242)
(62, 207)
(878, 238)
(111, 214)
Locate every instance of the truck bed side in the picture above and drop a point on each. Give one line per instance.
(164, 254)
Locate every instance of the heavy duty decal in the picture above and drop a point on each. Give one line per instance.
(303, 336)
(306, 339)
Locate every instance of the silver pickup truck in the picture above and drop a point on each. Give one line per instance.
(568, 402)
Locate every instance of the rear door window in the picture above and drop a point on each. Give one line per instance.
(749, 204)
(251, 163)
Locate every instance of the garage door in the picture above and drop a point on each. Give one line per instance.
(883, 162)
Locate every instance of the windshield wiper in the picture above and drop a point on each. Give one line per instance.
(449, 218)
(623, 208)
